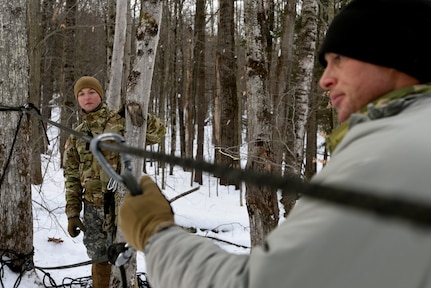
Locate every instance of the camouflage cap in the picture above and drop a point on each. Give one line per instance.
(88, 82)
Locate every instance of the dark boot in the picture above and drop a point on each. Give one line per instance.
(101, 274)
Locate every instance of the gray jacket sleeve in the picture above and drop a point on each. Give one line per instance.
(321, 244)
(318, 246)
(176, 258)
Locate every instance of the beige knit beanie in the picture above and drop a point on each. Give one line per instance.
(88, 82)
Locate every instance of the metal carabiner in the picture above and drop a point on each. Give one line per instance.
(126, 177)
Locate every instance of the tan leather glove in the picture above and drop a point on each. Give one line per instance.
(75, 226)
(143, 215)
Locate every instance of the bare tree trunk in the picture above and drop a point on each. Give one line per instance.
(281, 79)
(16, 229)
(189, 102)
(304, 82)
(283, 102)
(177, 95)
(128, 52)
(49, 60)
(68, 116)
(35, 55)
(227, 146)
(113, 97)
(199, 79)
(185, 56)
(114, 100)
(137, 100)
(262, 203)
(311, 142)
(307, 50)
(111, 10)
(167, 79)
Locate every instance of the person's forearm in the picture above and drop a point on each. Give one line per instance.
(177, 259)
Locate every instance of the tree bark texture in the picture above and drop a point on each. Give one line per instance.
(113, 98)
(137, 100)
(69, 107)
(302, 91)
(199, 87)
(34, 50)
(16, 229)
(227, 147)
(262, 202)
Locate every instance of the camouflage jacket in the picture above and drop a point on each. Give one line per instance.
(85, 179)
(156, 130)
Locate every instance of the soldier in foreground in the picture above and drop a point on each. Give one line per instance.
(377, 72)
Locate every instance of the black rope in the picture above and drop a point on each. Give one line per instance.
(17, 262)
(389, 206)
(123, 276)
(66, 266)
(10, 108)
(11, 151)
(415, 212)
(49, 282)
(22, 109)
(29, 109)
(31, 106)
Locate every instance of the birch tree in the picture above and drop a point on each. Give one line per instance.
(299, 97)
(113, 98)
(16, 229)
(281, 78)
(138, 95)
(262, 203)
(304, 81)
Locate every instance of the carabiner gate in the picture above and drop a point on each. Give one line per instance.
(126, 177)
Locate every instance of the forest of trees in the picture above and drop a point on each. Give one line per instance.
(245, 67)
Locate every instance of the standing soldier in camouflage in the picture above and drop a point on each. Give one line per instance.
(87, 183)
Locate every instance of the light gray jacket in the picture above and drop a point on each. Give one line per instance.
(324, 245)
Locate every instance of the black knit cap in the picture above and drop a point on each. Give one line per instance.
(390, 33)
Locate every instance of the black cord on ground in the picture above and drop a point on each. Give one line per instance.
(17, 262)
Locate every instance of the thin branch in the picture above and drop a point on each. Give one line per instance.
(184, 194)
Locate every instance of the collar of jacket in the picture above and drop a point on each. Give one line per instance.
(101, 111)
(387, 105)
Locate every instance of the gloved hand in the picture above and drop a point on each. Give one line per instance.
(75, 226)
(143, 215)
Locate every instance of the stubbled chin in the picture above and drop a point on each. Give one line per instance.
(343, 117)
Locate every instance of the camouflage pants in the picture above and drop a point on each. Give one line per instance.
(96, 238)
